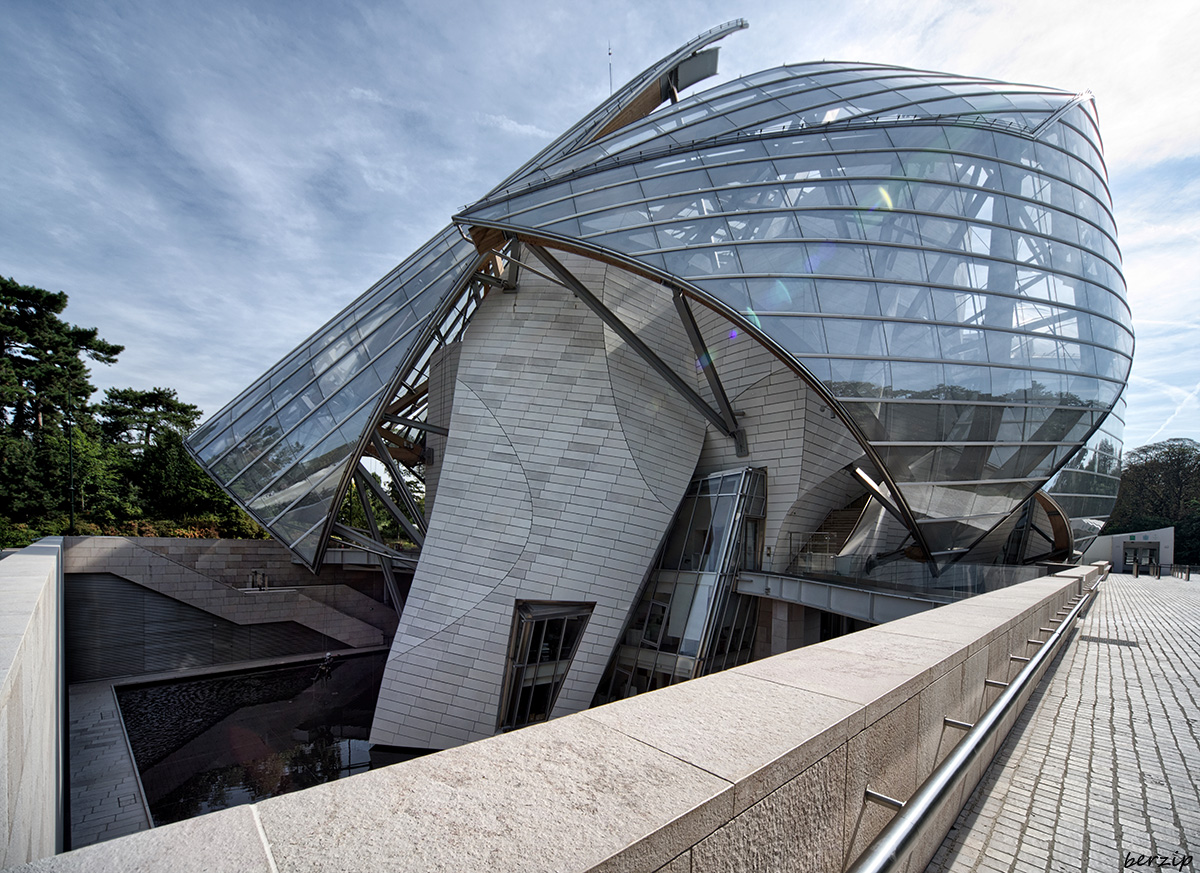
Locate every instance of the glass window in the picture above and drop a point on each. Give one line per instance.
(545, 636)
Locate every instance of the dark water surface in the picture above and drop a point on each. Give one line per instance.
(206, 744)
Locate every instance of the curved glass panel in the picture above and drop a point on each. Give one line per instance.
(937, 251)
(949, 271)
(283, 448)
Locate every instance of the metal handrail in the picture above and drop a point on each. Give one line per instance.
(912, 822)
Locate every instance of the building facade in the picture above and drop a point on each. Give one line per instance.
(856, 324)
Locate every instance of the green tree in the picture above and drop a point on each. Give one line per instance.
(120, 467)
(135, 418)
(1160, 487)
(42, 368)
(1160, 480)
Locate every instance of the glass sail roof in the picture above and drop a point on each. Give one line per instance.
(935, 253)
(287, 447)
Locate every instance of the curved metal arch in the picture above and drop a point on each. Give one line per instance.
(707, 300)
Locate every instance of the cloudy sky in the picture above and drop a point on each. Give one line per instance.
(209, 182)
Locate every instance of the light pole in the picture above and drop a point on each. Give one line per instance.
(71, 460)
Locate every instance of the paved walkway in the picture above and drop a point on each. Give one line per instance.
(106, 800)
(1101, 771)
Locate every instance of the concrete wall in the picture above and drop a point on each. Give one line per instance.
(232, 562)
(566, 459)
(31, 703)
(339, 611)
(1111, 547)
(762, 767)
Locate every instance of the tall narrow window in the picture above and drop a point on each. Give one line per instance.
(545, 635)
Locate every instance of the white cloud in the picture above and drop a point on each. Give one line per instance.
(506, 124)
(210, 184)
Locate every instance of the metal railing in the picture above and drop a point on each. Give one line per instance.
(917, 815)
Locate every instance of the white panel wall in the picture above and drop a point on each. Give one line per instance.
(31, 717)
(566, 459)
(790, 431)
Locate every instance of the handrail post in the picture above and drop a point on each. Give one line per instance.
(898, 838)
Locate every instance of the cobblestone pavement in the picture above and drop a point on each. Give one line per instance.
(106, 801)
(1101, 770)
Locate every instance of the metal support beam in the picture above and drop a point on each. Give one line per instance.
(567, 278)
(360, 541)
(410, 502)
(705, 362)
(389, 576)
(386, 500)
(404, 421)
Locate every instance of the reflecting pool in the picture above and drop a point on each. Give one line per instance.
(218, 741)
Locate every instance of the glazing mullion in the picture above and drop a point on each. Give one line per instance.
(316, 376)
(298, 352)
(284, 471)
(322, 405)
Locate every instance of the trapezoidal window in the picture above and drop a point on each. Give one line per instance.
(545, 636)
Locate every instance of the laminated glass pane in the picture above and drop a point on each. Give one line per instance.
(838, 259)
(917, 380)
(743, 174)
(911, 422)
(629, 241)
(934, 198)
(882, 225)
(703, 262)
(773, 226)
(602, 179)
(904, 301)
(783, 295)
(920, 136)
(731, 292)
(817, 194)
(693, 206)
(902, 264)
(800, 169)
(907, 340)
(849, 298)
(687, 178)
(857, 377)
(830, 224)
(606, 197)
(698, 232)
(943, 268)
(384, 336)
(789, 258)
(803, 144)
(749, 199)
(880, 196)
(799, 336)
(614, 219)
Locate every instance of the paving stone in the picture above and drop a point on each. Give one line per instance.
(105, 799)
(1105, 760)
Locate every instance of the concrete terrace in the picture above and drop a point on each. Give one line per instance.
(1102, 770)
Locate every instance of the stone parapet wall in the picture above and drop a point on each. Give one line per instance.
(763, 767)
(31, 703)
